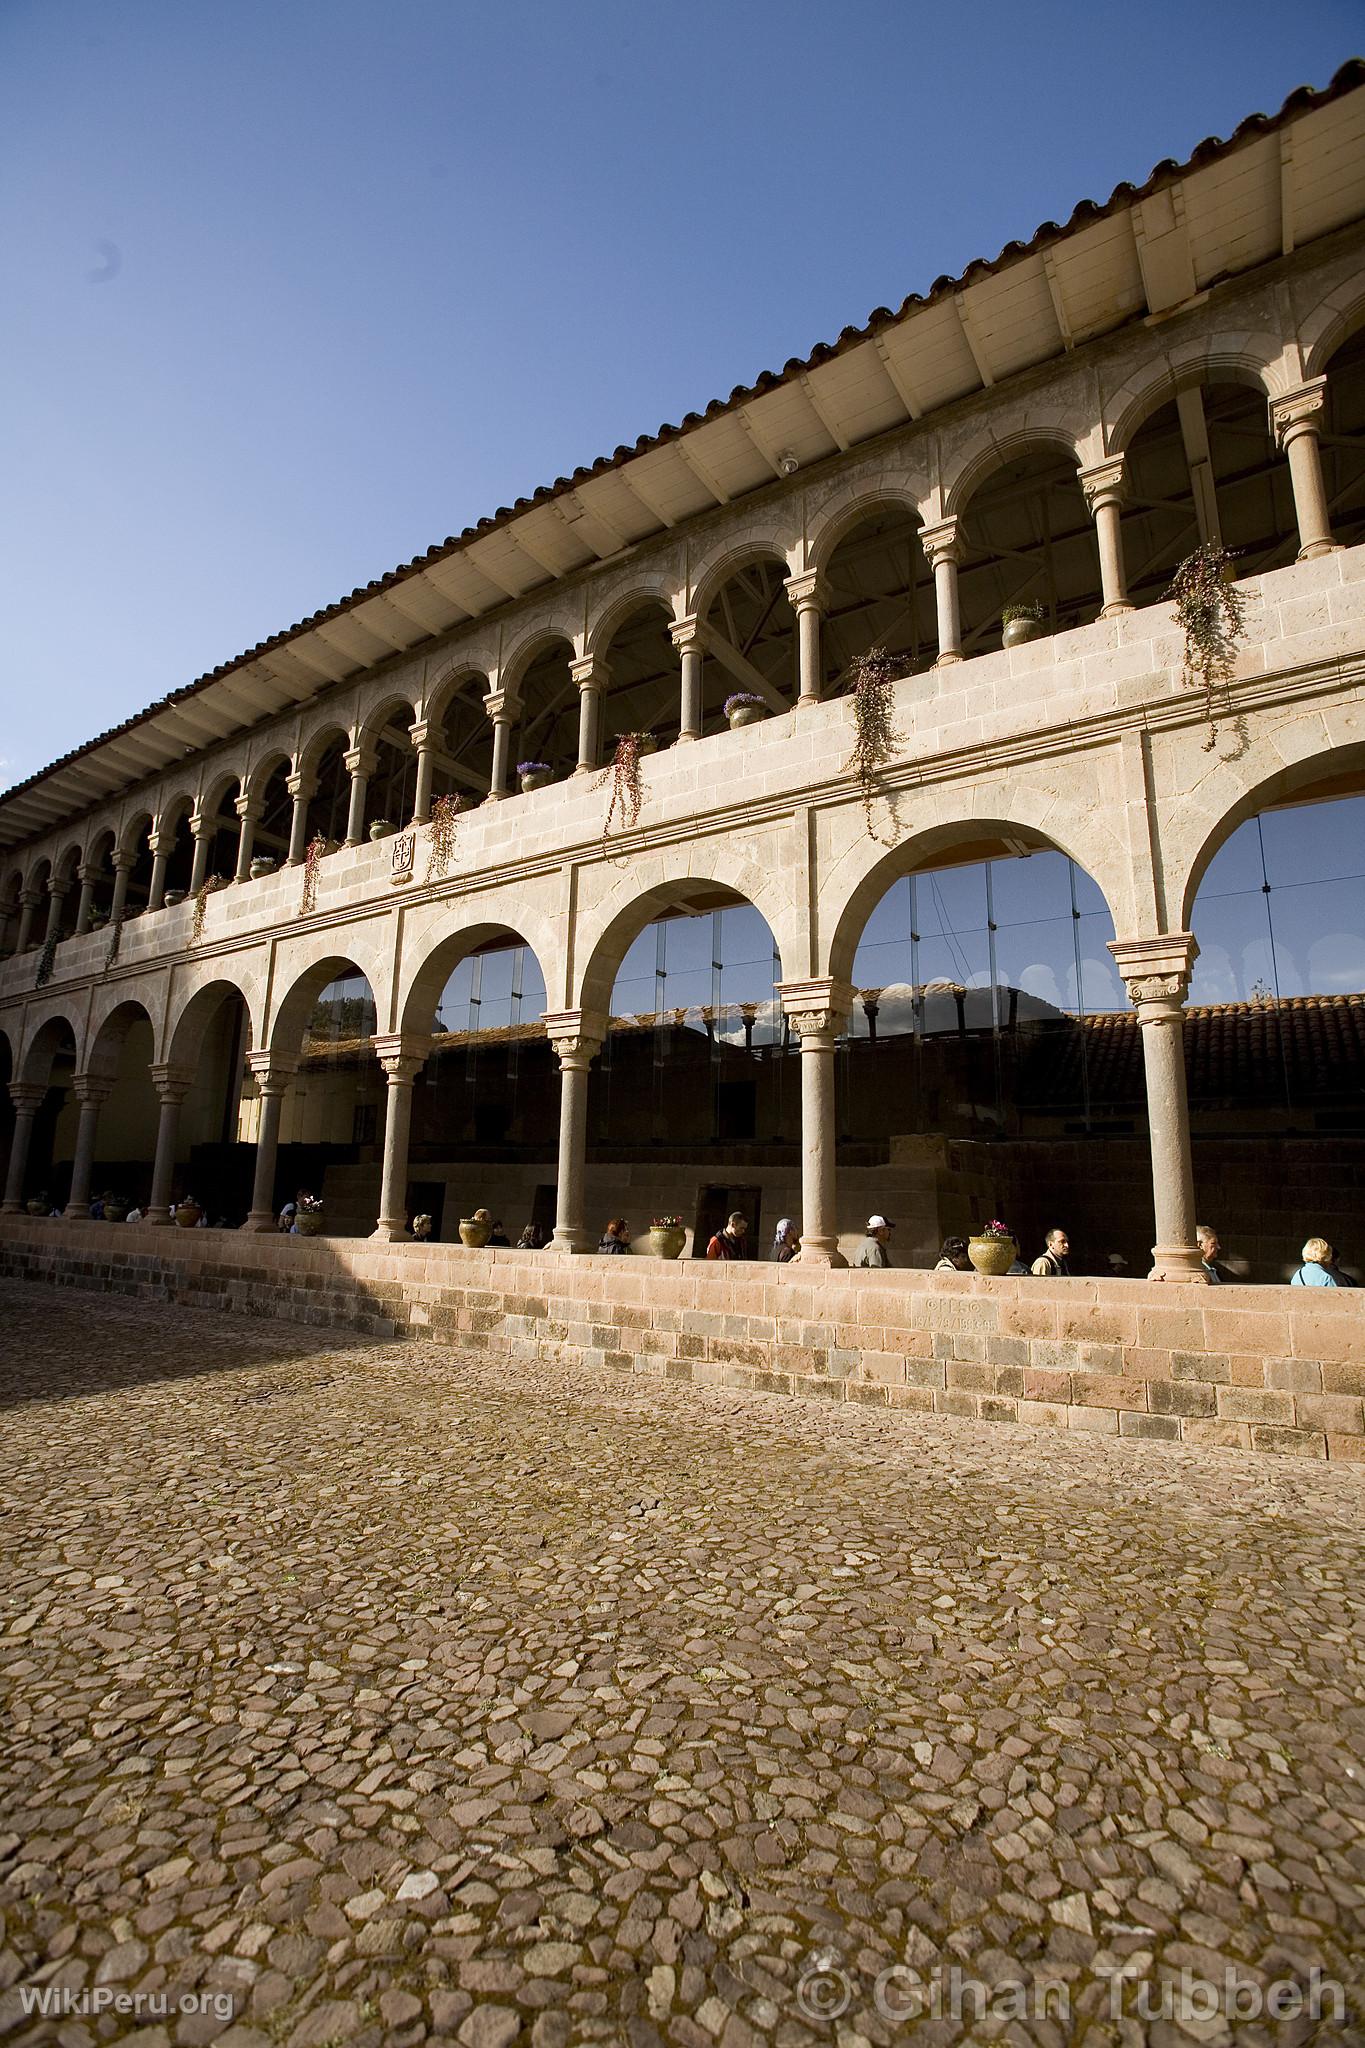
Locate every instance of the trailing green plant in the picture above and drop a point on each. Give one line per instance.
(1210, 610)
(45, 960)
(115, 940)
(444, 812)
(201, 904)
(623, 772)
(873, 677)
(313, 853)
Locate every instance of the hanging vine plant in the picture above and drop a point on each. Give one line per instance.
(444, 812)
(623, 772)
(201, 904)
(45, 960)
(313, 853)
(873, 676)
(1210, 611)
(115, 938)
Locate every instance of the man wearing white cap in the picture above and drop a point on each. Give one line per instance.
(872, 1251)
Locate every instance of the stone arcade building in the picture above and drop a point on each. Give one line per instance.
(761, 988)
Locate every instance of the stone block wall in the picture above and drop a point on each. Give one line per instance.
(1268, 1369)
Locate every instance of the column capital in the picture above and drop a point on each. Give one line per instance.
(808, 590)
(245, 807)
(171, 1083)
(1103, 483)
(88, 873)
(123, 863)
(1298, 411)
(402, 1054)
(31, 895)
(200, 826)
(590, 672)
(27, 1096)
(92, 1087)
(60, 885)
(1156, 971)
(501, 706)
(688, 635)
(161, 844)
(273, 1071)
(299, 784)
(576, 1035)
(361, 760)
(941, 543)
(419, 733)
(818, 1007)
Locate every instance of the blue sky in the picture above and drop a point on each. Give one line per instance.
(298, 287)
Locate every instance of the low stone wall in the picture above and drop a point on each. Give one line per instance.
(1249, 1368)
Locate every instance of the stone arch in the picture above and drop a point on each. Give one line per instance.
(39, 873)
(394, 702)
(186, 1023)
(42, 1041)
(658, 591)
(111, 1016)
(840, 518)
(268, 763)
(454, 681)
(326, 734)
(992, 821)
(535, 642)
(1338, 315)
(1251, 359)
(673, 879)
(302, 981)
(981, 461)
(424, 980)
(731, 560)
(1236, 790)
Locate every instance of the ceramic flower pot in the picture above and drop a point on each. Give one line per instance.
(381, 829)
(747, 714)
(309, 1222)
(475, 1235)
(1017, 631)
(187, 1214)
(36, 1207)
(262, 865)
(115, 1212)
(537, 778)
(667, 1244)
(992, 1255)
(174, 896)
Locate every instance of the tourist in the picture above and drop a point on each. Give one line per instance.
(786, 1243)
(1051, 1263)
(953, 1258)
(873, 1249)
(97, 1209)
(730, 1243)
(498, 1240)
(134, 1215)
(1209, 1248)
(421, 1226)
(1319, 1268)
(532, 1239)
(616, 1237)
(302, 1200)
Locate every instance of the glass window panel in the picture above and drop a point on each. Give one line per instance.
(687, 944)
(951, 900)
(639, 955)
(1023, 891)
(1324, 921)
(1234, 948)
(744, 935)
(495, 969)
(882, 966)
(1090, 897)
(633, 996)
(1236, 865)
(1315, 842)
(1039, 958)
(965, 959)
(687, 991)
(1101, 984)
(890, 920)
(747, 981)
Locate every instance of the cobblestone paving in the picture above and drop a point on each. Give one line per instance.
(394, 1695)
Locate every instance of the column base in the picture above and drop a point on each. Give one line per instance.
(1318, 547)
(1116, 611)
(390, 1231)
(947, 660)
(570, 1244)
(259, 1222)
(808, 703)
(820, 1251)
(157, 1216)
(79, 1215)
(584, 768)
(684, 737)
(12, 1208)
(1180, 1262)
(497, 796)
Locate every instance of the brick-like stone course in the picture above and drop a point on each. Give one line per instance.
(1116, 1357)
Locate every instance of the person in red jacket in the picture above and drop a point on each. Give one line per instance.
(731, 1242)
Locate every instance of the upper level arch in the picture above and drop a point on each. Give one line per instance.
(1255, 360)
(991, 453)
(841, 518)
(540, 640)
(732, 559)
(648, 594)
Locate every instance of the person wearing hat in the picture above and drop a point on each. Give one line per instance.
(872, 1251)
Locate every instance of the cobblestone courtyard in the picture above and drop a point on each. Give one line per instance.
(399, 1696)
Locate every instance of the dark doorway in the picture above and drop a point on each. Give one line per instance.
(714, 1204)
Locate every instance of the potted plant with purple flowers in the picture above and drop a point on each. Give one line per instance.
(742, 707)
(993, 1249)
(534, 774)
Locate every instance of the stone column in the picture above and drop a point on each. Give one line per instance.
(576, 1036)
(361, 763)
(301, 788)
(56, 897)
(1297, 419)
(1103, 488)
(163, 846)
(943, 551)
(248, 810)
(592, 677)
(172, 1085)
(29, 899)
(686, 635)
(92, 1091)
(202, 830)
(503, 710)
(27, 1097)
(8, 913)
(423, 742)
(273, 1076)
(818, 1010)
(88, 875)
(402, 1059)
(124, 863)
(809, 594)
(1156, 973)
